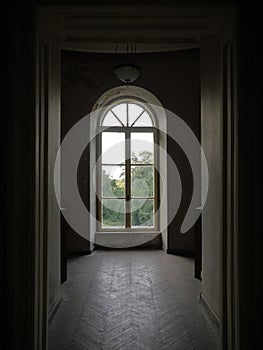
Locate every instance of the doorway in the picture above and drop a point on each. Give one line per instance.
(61, 16)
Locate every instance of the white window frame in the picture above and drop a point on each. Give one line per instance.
(127, 198)
(148, 98)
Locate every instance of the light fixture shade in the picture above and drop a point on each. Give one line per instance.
(127, 73)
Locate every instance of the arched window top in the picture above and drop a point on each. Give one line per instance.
(127, 114)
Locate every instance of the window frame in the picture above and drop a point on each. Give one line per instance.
(128, 165)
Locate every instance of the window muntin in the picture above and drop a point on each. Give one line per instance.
(127, 115)
(128, 195)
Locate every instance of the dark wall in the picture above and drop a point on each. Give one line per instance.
(250, 74)
(174, 77)
(19, 170)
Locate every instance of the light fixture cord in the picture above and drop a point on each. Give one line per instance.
(116, 54)
(132, 54)
(127, 49)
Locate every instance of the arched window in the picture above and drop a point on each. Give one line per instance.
(127, 178)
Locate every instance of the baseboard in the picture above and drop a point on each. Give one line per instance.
(210, 315)
(54, 309)
(83, 252)
(92, 248)
(181, 252)
(128, 241)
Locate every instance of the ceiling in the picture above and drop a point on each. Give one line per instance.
(152, 28)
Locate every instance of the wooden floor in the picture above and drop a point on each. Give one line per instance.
(130, 300)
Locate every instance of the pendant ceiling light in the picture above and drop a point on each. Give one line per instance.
(128, 72)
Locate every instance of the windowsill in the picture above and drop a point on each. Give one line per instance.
(128, 239)
(128, 232)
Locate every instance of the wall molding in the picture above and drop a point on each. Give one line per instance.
(210, 315)
(54, 308)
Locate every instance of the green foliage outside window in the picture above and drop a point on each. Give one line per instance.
(142, 176)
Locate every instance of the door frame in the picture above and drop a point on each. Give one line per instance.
(56, 17)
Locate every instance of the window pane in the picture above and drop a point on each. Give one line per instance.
(142, 181)
(113, 148)
(113, 181)
(110, 120)
(121, 112)
(113, 213)
(134, 112)
(144, 120)
(142, 148)
(142, 212)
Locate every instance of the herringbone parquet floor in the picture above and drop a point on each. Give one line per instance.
(122, 300)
